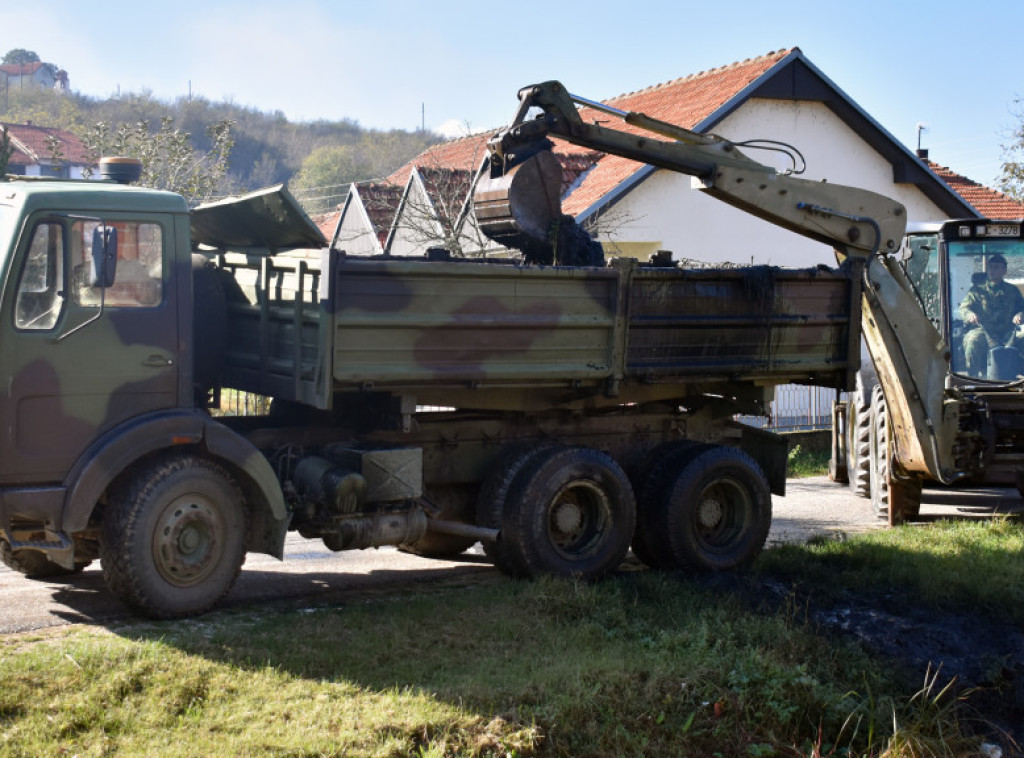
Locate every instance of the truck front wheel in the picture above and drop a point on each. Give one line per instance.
(173, 537)
(573, 514)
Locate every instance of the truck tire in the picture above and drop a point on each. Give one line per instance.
(173, 536)
(858, 439)
(34, 565)
(571, 513)
(492, 504)
(717, 511)
(656, 476)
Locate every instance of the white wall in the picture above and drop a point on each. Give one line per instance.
(356, 236)
(664, 209)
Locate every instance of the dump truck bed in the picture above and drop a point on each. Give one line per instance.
(499, 336)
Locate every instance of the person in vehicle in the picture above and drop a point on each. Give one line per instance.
(990, 311)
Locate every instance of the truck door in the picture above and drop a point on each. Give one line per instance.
(76, 359)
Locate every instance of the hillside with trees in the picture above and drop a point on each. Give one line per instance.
(318, 158)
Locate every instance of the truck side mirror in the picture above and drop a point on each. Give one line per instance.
(104, 256)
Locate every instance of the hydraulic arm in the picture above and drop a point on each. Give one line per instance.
(518, 201)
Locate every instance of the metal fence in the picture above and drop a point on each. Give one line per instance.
(797, 408)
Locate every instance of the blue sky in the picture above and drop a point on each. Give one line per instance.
(457, 65)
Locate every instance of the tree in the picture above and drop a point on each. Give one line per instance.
(169, 160)
(20, 56)
(1012, 179)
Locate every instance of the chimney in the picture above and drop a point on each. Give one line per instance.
(922, 153)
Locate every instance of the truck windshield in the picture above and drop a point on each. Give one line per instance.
(986, 295)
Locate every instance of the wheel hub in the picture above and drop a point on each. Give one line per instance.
(186, 543)
(568, 518)
(709, 513)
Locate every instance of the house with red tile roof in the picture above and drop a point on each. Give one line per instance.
(636, 209)
(45, 151)
(362, 225)
(14, 76)
(988, 203)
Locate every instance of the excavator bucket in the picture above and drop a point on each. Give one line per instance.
(519, 204)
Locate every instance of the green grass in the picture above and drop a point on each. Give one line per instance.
(646, 664)
(803, 462)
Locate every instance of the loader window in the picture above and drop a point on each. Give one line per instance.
(986, 294)
(40, 282)
(138, 281)
(922, 267)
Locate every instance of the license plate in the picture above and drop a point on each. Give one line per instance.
(1002, 230)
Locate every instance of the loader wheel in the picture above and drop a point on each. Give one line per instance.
(653, 484)
(717, 511)
(858, 440)
(492, 504)
(892, 500)
(34, 565)
(173, 538)
(571, 513)
(879, 458)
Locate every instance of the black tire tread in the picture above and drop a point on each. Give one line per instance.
(528, 490)
(700, 471)
(658, 472)
(121, 530)
(492, 503)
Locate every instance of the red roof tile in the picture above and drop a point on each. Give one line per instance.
(988, 202)
(21, 69)
(380, 201)
(31, 142)
(684, 102)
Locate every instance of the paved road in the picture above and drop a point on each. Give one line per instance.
(311, 574)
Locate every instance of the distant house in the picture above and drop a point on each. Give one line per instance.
(366, 217)
(45, 151)
(14, 76)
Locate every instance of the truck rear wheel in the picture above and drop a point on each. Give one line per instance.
(492, 504)
(717, 510)
(173, 537)
(656, 477)
(572, 514)
(33, 564)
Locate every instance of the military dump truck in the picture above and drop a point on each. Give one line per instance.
(941, 400)
(558, 414)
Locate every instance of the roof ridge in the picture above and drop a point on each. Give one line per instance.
(780, 53)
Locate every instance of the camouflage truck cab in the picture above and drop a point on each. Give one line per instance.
(95, 352)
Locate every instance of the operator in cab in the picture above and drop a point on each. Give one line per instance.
(990, 311)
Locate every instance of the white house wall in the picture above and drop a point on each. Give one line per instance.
(416, 225)
(666, 213)
(356, 235)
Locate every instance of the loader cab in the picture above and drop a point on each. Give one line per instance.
(969, 279)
